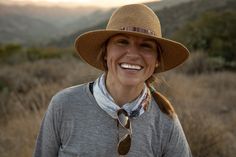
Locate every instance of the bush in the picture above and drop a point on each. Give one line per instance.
(199, 62)
(212, 32)
(14, 53)
(2, 85)
(34, 54)
(7, 51)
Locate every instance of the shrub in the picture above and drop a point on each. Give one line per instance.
(34, 54)
(212, 32)
(15, 54)
(7, 51)
(3, 84)
(199, 62)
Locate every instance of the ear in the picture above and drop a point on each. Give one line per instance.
(157, 64)
(105, 57)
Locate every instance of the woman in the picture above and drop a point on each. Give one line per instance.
(120, 113)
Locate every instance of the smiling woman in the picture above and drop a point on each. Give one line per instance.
(119, 113)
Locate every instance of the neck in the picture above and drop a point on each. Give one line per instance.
(123, 94)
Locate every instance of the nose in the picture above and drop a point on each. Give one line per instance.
(132, 51)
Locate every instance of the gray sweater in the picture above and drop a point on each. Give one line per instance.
(75, 126)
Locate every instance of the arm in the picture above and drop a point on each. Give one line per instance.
(176, 144)
(48, 140)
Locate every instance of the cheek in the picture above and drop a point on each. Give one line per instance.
(113, 53)
(151, 60)
(111, 57)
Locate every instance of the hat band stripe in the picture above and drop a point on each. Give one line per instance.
(138, 29)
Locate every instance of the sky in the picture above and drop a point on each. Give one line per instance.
(98, 3)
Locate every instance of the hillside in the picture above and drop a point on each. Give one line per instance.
(165, 4)
(172, 18)
(96, 18)
(24, 29)
(36, 24)
(175, 17)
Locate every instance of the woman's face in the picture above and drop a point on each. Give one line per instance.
(131, 60)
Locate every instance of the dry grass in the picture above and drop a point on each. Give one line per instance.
(17, 138)
(205, 104)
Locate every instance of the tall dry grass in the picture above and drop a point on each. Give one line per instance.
(17, 138)
(205, 103)
(25, 93)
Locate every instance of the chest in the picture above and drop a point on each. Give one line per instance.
(98, 136)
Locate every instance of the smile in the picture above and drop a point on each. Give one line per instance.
(130, 66)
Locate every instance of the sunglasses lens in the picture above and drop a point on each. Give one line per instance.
(123, 119)
(124, 145)
(125, 142)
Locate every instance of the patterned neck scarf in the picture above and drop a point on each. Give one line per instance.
(107, 103)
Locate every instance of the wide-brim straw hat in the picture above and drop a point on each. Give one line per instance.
(134, 19)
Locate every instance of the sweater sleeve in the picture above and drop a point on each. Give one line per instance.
(177, 145)
(48, 140)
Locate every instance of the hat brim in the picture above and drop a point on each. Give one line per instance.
(88, 46)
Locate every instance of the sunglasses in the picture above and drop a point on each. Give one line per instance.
(124, 142)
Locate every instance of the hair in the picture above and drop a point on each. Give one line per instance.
(163, 103)
(101, 55)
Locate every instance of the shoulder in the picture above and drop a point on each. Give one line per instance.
(173, 136)
(69, 97)
(70, 93)
(173, 133)
(175, 142)
(174, 126)
(168, 124)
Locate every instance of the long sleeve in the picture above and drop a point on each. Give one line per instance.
(48, 140)
(177, 145)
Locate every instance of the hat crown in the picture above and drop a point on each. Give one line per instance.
(137, 16)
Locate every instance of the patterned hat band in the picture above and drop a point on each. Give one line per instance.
(138, 29)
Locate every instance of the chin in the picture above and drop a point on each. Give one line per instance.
(131, 82)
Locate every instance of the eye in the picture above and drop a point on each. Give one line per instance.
(122, 42)
(150, 46)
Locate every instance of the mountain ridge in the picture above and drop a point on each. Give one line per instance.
(172, 18)
(51, 22)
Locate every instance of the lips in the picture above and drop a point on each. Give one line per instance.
(130, 66)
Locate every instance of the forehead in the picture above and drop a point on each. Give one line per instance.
(134, 37)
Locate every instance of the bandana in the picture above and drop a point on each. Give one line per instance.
(107, 103)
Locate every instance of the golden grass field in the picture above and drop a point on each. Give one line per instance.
(205, 103)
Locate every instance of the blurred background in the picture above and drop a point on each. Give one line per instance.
(37, 59)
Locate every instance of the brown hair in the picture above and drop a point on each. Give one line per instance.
(102, 54)
(163, 103)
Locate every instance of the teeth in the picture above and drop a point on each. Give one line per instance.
(130, 66)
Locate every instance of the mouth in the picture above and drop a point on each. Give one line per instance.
(129, 66)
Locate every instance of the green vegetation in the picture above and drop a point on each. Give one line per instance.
(15, 53)
(214, 33)
(199, 63)
(9, 50)
(36, 53)
(3, 85)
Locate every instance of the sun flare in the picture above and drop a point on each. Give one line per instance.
(69, 1)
